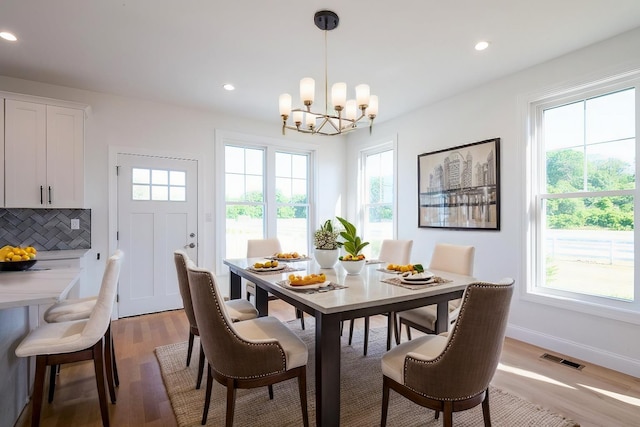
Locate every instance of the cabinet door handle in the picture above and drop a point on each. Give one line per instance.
(49, 194)
(41, 202)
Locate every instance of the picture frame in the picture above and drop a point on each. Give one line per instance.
(459, 187)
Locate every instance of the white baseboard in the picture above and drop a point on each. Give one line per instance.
(583, 352)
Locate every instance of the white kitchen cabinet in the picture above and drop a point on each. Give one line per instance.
(44, 155)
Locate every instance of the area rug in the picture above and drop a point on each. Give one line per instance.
(361, 394)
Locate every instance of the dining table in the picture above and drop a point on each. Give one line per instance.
(353, 296)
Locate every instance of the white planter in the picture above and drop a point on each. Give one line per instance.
(326, 258)
(353, 267)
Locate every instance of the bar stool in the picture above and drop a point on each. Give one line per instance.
(65, 342)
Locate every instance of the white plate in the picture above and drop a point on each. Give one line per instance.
(419, 277)
(287, 284)
(277, 268)
(416, 282)
(288, 259)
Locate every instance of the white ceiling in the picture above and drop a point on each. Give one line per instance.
(411, 52)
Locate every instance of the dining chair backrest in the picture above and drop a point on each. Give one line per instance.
(229, 353)
(396, 251)
(455, 259)
(263, 247)
(181, 260)
(453, 374)
(100, 317)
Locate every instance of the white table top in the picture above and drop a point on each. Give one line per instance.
(33, 287)
(364, 290)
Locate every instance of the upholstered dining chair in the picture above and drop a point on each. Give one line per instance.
(391, 252)
(65, 342)
(435, 371)
(264, 248)
(238, 309)
(457, 259)
(249, 354)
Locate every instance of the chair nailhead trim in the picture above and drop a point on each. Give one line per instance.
(241, 340)
(449, 344)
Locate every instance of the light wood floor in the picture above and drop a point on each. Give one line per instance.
(593, 396)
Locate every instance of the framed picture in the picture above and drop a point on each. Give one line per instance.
(459, 187)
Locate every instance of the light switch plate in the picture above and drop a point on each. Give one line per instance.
(75, 224)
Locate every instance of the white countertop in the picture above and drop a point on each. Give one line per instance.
(62, 254)
(33, 287)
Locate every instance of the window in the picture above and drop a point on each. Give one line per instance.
(266, 194)
(584, 191)
(244, 196)
(292, 199)
(158, 185)
(378, 197)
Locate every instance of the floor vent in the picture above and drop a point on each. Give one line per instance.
(561, 361)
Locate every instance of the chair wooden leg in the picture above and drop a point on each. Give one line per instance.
(302, 390)
(38, 389)
(231, 402)
(200, 367)
(190, 348)
(115, 363)
(485, 410)
(108, 364)
(447, 420)
(270, 387)
(385, 402)
(366, 334)
(351, 322)
(52, 381)
(300, 315)
(98, 364)
(397, 328)
(207, 397)
(390, 328)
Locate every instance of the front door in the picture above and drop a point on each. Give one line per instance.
(157, 214)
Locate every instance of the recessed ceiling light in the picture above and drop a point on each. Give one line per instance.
(229, 86)
(8, 36)
(482, 45)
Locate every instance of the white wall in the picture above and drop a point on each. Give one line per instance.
(496, 110)
(115, 121)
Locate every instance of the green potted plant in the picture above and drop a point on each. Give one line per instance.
(326, 245)
(354, 260)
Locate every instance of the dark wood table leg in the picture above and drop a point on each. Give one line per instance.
(262, 301)
(327, 370)
(442, 319)
(236, 286)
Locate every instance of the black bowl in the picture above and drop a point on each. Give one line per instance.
(17, 265)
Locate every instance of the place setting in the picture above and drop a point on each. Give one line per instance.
(271, 267)
(309, 284)
(288, 257)
(415, 279)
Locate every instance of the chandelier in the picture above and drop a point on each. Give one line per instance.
(347, 112)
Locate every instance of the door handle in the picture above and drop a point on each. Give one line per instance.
(190, 245)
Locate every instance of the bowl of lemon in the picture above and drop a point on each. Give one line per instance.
(16, 258)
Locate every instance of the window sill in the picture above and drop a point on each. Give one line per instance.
(621, 314)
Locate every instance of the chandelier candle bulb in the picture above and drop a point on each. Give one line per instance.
(297, 118)
(362, 96)
(372, 110)
(339, 95)
(307, 90)
(285, 104)
(310, 121)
